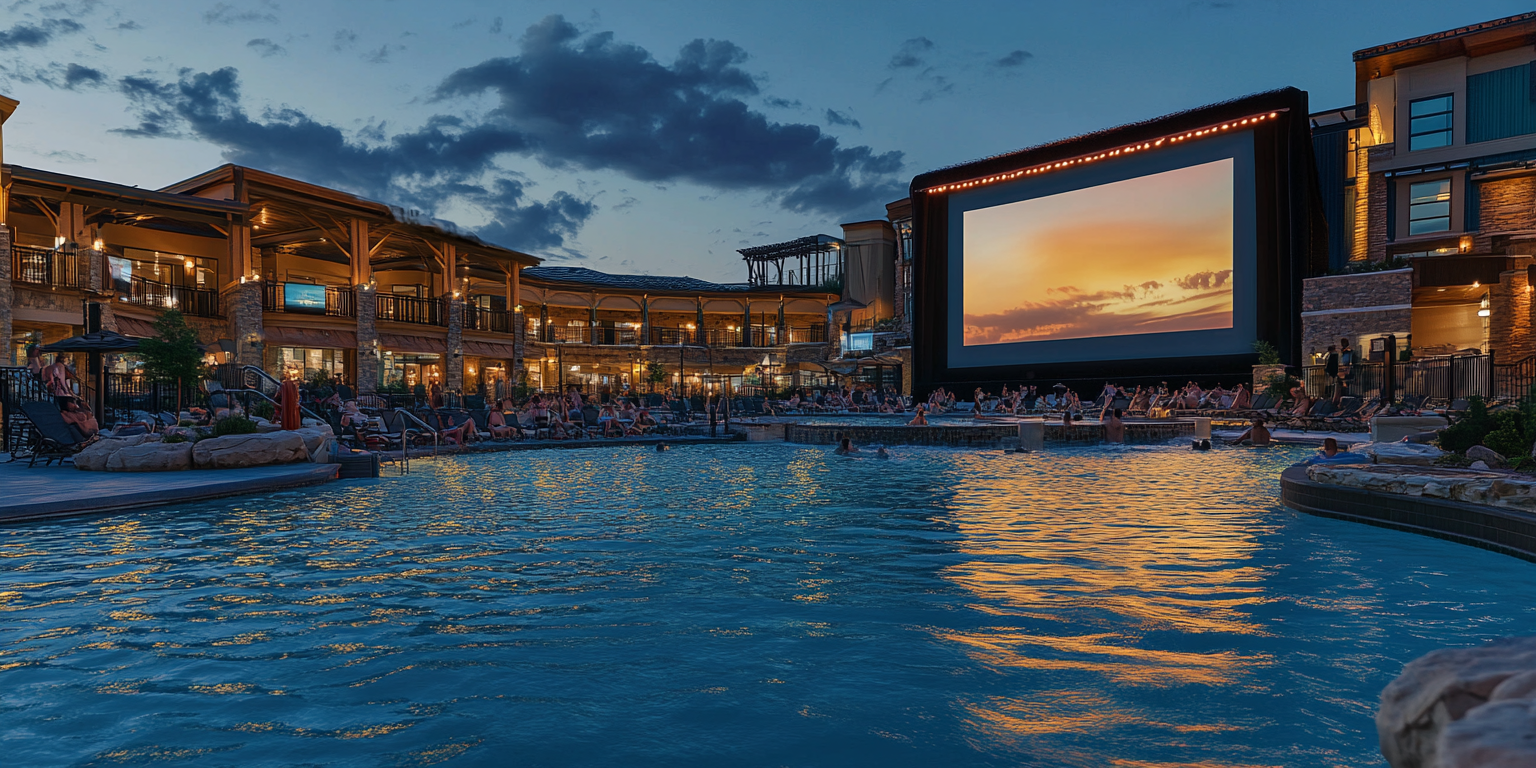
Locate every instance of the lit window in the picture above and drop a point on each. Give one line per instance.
(1429, 122)
(1429, 207)
(1447, 251)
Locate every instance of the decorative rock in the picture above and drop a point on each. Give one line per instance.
(151, 457)
(1521, 686)
(1387, 429)
(1441, 688)
(1487, 455)
(94, 458)
(1499, 734)
(1479, 465)
(1400, 453)
(232, 451)
(314, 437)
(1496, 488)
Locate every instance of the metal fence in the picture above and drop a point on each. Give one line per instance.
(411, 309)
(42, 266)
(17, 386)
(196, 302)
(1445, 379)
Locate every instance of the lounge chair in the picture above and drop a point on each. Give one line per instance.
(55, 439)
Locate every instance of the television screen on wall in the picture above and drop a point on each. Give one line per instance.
(860, 342)
(304, 298)
(122, 273)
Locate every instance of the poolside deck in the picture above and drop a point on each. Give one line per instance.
(59, 491)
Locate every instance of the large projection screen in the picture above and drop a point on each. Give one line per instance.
(1139, 257)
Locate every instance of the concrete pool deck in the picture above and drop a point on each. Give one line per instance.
(58, 491)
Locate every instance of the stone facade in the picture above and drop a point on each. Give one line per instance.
(367, 339)
(1323, 298)
(1376, 205)
(453, 375)
(242, 306)
(1505, 206)
(6, 294)
(1509, 321)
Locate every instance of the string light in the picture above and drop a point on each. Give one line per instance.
(1198, 133)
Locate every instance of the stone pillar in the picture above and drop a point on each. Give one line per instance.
(100, 280)
(7, 297)
(645, 319)
(367, 302)
(1376, 227)
(453, 375)
(242, 305)
(519, 345)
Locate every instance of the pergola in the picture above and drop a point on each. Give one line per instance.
(813, 261)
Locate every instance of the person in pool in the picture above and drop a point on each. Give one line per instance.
(845, 447)
(919, 420)
(882, 453)
(1114, 428)
(1258, 434)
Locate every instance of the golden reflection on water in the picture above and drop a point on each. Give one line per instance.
(1123, 542)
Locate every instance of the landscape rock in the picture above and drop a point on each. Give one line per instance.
(1479, 465)
(1441, 688)
(94, 458)
(151, 457)
(1485, 454)
(234, 451)
(1499, 734)
(314, 437)
(1400, 453)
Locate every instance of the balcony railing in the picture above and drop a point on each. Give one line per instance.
(195, 302)
(671, 336)
(756, 336)
(812, 334)
(567, 334)
(41, 266)
(492, 320)
(339, 301)
(411, 309)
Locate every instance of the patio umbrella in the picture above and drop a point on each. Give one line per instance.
(94, 344)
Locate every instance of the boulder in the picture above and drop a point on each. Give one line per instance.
(1486, 455)
(314, 437)
(234, 451)
(1400, 453)
(94, 458)
(1387, 429)
(1442, 688)
(1499, 734)
(151, 457)
(1479, 465)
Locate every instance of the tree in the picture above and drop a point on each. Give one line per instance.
(655, 373)
(173, 356)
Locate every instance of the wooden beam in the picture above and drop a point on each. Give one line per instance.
(357, 243)
(374, 251)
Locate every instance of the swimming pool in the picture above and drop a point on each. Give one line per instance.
(751, 604)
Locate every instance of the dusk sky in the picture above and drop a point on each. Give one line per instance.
(636, 136)
(1151, 254)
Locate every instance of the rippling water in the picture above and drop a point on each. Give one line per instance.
(741, 605)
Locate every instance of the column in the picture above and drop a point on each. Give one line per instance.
(365, 306)
(453, 373)
(518, 325)
(242, 302)
(746, 322)
(645, 319)
(7, 299)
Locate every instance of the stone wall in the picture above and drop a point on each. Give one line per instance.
(1376, 205)
(980, 435)
(1321, 297)
(6, 296)
(453, 376)
(367, 339)
(242, 306)
(1509, 320)
(1505, 206)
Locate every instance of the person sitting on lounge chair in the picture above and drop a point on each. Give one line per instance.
(1241, 399)
(353, 421)
(498, 426)
(608, 422)
(1303, 402)
(80, 418)
(463, 434)
(644, 422)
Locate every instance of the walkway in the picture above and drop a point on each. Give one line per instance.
(57, 491)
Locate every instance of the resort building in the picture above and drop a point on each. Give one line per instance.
(1429, 188)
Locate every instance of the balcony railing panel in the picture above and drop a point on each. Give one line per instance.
(195, 302)
(411, 309)
(671, 336)
(491, 320)
(813, 334)
(42, 266)
(567, 334)
(339, 301)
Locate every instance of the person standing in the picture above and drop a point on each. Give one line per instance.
(1346, 366)
(288, 402)
(1331, 372)
(713, 406)
(1114, 428)
(56, 378)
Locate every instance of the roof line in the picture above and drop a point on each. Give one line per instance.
(1422, 40)
(126, 192)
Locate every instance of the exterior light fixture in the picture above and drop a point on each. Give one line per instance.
(97, 245)
(1484, 312)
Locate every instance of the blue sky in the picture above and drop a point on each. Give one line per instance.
(653, 137)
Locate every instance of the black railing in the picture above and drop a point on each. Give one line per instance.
(492, 320)
(613, 336)
(190, 301)
(339, 301)
(811, 334)
(1364, 380)
(671, 336)
(17, 386)
(762, 336)
(1442, 379)
(411, 309)
(58, 269)
(567, 334)
(126, 393)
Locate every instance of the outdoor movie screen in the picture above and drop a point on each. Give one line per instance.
(1141, 257)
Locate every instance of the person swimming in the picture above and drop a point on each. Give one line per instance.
(845, 447)
(882, 453)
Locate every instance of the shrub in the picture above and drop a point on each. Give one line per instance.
(234, 425)
(263, 410)
(1470, 429)
(1268, 355)
(174, 437)
(1279, 385)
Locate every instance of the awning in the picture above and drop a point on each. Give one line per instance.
(133, 326)
(322, 338)
(424, 345)
(491, 349)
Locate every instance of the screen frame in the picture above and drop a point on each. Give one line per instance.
(288, 298)
(1236, 339)
(1290, 244)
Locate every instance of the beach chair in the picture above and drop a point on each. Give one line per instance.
(54, 439)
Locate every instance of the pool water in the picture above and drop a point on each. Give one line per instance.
(753, 604)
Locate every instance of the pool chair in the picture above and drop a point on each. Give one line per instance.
(55, 439)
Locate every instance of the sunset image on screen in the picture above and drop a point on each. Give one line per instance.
(1151, 254)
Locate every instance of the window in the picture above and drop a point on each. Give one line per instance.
(1429, 122)
(409, 289)
(1446, 251)
(1429, 207)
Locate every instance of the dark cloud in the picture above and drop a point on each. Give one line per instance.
(71, 77)
(227, 14)
(496, 26)
(568, 101)
(25, 35)
(774, 101)
(835, 117)
(1013, 59)
(592, 102)
(128, 26)
(911, 54)
(266, 48)
(78, 75)
(1203, 280)
(343, 39)
(378, 55)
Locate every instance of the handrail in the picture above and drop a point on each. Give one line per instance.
(275, 404)
(405, 445)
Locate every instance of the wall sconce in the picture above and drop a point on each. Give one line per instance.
(517, 308)
(97, 245)
(1484, 312)
(1466, 244)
